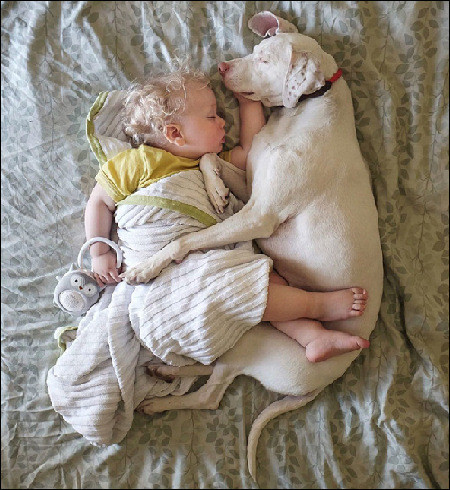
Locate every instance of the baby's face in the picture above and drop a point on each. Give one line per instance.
(202, 128)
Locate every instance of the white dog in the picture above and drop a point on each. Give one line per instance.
(311, 210)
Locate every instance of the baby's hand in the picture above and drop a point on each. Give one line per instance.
(104, 268)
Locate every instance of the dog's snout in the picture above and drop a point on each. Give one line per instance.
(223, 67)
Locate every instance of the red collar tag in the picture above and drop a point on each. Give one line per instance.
(336, 76)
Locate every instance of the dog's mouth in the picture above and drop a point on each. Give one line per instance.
(247, 93)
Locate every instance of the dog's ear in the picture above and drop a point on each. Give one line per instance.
(304, 76)
(268, 24)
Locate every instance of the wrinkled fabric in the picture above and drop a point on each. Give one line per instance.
(384, 423)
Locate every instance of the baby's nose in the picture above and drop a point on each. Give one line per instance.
(223, 67)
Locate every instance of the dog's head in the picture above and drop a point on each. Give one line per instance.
(281, 68)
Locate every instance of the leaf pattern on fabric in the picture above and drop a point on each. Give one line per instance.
(384, 424)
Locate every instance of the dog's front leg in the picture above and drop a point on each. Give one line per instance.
(235, 179)
(219, 173)
(248, 224)
(150, 268)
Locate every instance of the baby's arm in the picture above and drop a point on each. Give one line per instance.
(251, 116)
(97, 222)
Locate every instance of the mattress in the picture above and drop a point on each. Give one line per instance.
(384, 423)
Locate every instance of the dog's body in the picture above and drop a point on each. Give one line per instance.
(328, 235)
(311, 210)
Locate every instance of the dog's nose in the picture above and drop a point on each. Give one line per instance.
(223, 67)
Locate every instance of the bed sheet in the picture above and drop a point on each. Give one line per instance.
(384, 424)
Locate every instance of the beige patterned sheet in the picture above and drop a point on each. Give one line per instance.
(384, 424)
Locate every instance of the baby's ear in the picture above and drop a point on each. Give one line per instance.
(172, 133)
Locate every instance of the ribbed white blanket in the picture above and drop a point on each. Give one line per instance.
(193, 311)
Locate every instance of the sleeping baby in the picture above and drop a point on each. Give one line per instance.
(157, 193)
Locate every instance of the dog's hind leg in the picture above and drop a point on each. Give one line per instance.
(206, 397)
(169, 373)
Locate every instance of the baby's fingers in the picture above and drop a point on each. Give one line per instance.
(99, 280)
(115, 275)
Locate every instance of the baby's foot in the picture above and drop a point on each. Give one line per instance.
(332, 343)
(342, 304)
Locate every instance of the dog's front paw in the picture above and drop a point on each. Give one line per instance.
(217, 192)
(142, 273)
(215, 188)
(145, 407)
(151, 268)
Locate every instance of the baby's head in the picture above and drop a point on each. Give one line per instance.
(175, 112)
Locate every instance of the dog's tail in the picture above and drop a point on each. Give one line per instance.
(279, 407)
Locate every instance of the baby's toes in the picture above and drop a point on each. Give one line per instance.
(356, 312)
(358, 306)
(363, 343)
(362, 302)
(360, 293)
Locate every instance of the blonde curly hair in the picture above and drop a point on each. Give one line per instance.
(149, 106)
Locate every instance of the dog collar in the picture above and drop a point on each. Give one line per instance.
(336, 76)
(325, 88)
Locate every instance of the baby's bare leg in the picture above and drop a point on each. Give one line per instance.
(319, 342)
(286, 303)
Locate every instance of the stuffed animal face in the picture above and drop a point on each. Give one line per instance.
(76, 292)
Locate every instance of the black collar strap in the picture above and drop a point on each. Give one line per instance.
(323, 89)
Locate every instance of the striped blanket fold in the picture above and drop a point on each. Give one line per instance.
(193, 311)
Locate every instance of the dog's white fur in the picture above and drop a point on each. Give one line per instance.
(311, 210)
